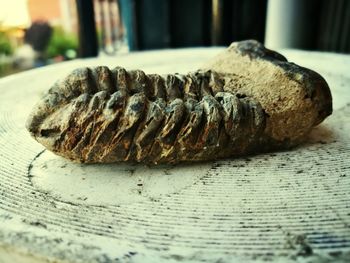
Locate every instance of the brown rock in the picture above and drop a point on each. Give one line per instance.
(294, 98)
(248, 99)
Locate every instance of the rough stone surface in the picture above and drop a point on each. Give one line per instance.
(102, 115)
(294, 98)
(247, 100)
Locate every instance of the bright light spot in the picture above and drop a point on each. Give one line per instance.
(14, 13)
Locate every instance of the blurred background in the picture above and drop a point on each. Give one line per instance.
(35, 33)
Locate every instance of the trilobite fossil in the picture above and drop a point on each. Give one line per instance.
(103, 115)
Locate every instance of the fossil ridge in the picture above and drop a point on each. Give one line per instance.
(248, 99)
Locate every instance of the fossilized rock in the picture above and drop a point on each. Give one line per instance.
(248, 99)
(294, 98)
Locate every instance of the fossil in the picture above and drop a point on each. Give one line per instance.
(248, 99)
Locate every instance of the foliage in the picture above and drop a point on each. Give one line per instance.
(60, 43)
(5, 44)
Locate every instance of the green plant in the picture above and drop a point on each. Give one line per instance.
(5, 44)
(60, 43)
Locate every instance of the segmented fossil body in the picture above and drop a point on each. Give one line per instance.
(103, 115)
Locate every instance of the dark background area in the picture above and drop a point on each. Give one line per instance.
(169, 23)
(155, 24)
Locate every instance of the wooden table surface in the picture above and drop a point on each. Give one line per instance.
(282, 207)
